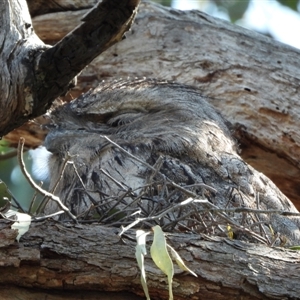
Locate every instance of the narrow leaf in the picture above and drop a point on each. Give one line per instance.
(22, 224)
(140, 251)
(5, 197)
(161, 256)
(295, 247)
(180, 262)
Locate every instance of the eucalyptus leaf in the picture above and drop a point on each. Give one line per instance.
(161, 257)
(140, 252)
(293, 4)
(180, 262)
(22, 224)
(5, 197)
(295, 247)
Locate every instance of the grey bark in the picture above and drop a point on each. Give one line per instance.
(34, 74)
(56, 257)
(53, 256)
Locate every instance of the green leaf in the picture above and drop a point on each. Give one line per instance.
(234, 8)
(161, 256)
(180, 262)
(295, 247)
(293, 4)
(5, 197)
(140, 252)
(164, 2)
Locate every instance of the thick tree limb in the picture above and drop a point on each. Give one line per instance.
(39, 7)
(101, 28)
(34, 75)
(55, 257)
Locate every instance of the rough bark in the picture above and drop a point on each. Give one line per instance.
(35, 74)
(39, 7)
(92, 257)
(51, 256)
(252, 79)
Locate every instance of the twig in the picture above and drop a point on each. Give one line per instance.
(34, 185)
(33, 199)
(129, 154)
(202, 185)
(250, 210)
(106, 216)
(157, 167)
(76, 172)
(39, 219)
(61, 173)
(119, 184)
(261, 227)
(157, 217)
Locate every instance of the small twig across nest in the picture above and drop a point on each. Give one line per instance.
(172, 206)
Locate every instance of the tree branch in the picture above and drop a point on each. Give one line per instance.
(63, 257)
(33, 74)
(102, 27)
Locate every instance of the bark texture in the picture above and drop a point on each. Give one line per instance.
(53, 256)
(35, 74)
(249, 78)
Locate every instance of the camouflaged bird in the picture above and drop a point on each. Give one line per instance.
(172, 128)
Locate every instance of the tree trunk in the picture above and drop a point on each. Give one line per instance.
(56, 257)
(243, 74)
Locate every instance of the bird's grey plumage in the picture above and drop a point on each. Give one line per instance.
(150, 119)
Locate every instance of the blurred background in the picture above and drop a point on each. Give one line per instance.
(279, 19)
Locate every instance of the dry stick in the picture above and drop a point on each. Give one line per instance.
(123, 217)
(106, 216)
(76, 172)
(155, 169)
(220, 212)
(34, 185)
(157, 217)
(173, 184)
(127, 153)
(254, 235)
(119, 184)
(38, 219)
(262, 228)
(250, 210)
(61, 173)
(33, 199)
